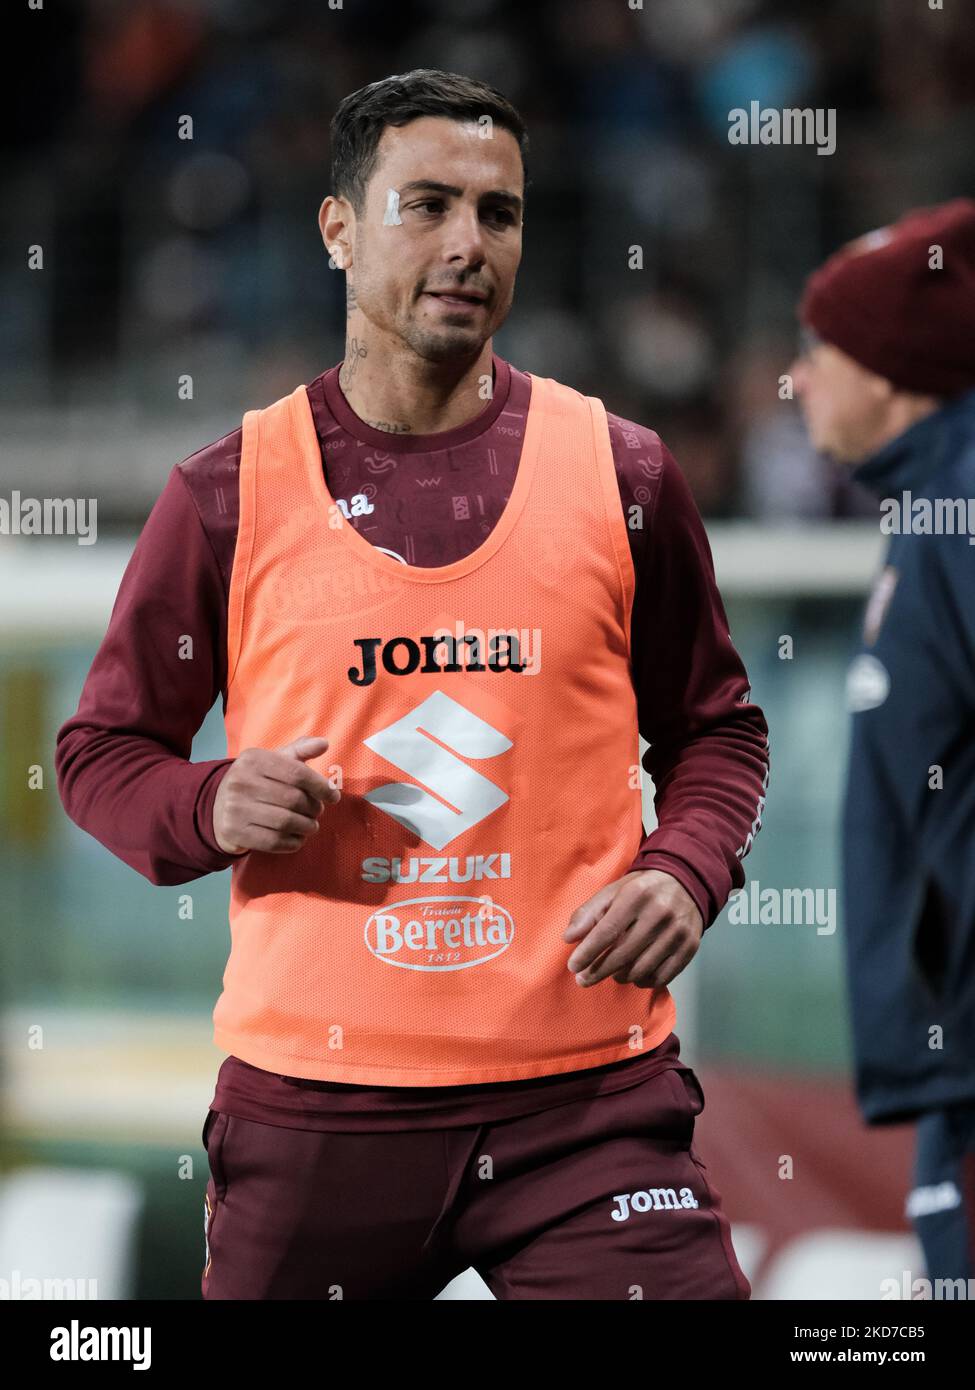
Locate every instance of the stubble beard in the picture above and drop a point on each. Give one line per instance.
(445, 345)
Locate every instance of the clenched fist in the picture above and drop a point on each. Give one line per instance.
(269, 800)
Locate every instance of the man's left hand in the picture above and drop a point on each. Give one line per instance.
(647, 925)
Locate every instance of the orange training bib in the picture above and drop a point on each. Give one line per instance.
(483, 720)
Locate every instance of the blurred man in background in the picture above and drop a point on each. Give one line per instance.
(887, 385)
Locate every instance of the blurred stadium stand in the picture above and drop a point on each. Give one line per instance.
(166, 259)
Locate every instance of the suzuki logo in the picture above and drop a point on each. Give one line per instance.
(453, 796)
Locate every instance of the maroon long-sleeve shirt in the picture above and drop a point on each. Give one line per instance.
(122, 759)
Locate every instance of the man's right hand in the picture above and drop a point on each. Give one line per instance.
(269, 800)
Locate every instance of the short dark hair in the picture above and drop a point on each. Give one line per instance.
(361, 118)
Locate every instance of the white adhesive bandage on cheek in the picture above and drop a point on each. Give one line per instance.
(391, 217)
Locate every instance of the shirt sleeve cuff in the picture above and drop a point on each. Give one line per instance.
(679, 869)
(203, 814)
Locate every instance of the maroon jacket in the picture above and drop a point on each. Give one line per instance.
(122, 759)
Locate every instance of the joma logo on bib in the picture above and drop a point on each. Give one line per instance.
(448, 933)
(401, 655)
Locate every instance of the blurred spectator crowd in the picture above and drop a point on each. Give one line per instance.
(166, 256)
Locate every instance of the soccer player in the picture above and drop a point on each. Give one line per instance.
(440, 597)
(887, 386)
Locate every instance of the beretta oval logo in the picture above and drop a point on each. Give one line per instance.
(443, 933)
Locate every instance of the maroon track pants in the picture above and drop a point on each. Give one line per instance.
(598, 1199)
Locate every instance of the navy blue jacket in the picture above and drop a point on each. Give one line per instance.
(908, 843)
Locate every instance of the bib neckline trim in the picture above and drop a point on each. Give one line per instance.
(307, 437)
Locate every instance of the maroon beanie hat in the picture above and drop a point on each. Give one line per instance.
(880, 301)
